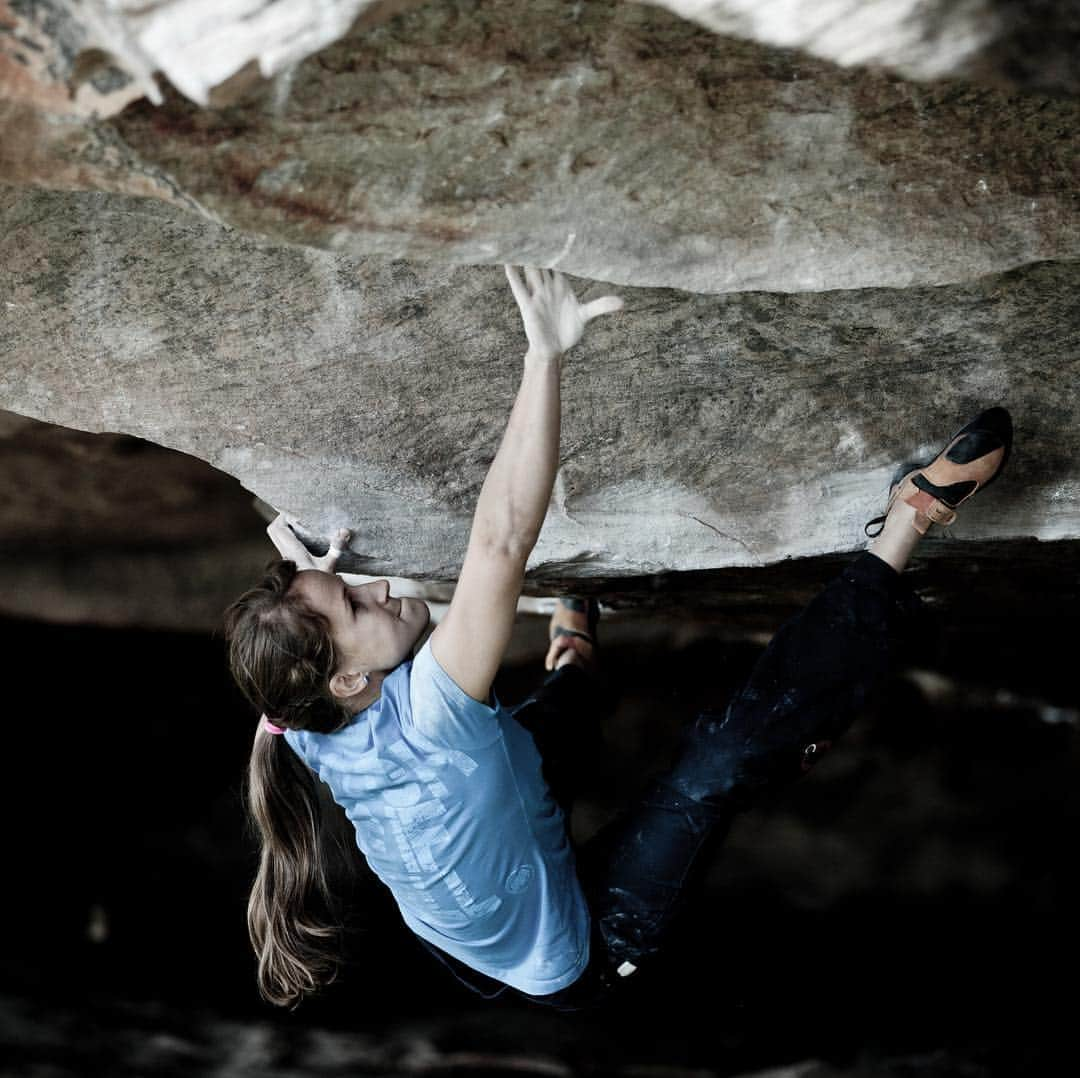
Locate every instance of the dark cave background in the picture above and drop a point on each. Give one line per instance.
(907, 909)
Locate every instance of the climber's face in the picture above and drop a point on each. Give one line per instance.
(372, 630)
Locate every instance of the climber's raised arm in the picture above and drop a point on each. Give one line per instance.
(470, 641)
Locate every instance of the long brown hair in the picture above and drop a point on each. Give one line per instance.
(281, 655)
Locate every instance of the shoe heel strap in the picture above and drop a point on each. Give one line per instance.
(928, 510)
(558, 631)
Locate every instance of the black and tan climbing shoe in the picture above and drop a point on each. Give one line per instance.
(973, 458)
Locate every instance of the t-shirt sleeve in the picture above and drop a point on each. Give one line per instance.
(443, 711)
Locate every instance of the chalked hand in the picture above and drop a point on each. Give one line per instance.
(289, 546)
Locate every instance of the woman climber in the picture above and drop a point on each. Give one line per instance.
(451, 794)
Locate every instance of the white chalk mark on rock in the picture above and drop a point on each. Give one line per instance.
(559, 496)
(283, 84)
(570, 237)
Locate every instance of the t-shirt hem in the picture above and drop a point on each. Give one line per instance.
(549, 988)
(530, 988)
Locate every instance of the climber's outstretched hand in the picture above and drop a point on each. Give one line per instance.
(470, 641)
(291, 548)
(554, 320)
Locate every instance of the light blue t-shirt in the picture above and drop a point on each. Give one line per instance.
(453, 815)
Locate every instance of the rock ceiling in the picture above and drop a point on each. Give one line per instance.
(826, 267)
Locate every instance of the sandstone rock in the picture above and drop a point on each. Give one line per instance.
(93, 57)
(69, 59)
(699, 432)
(39, 149)
(624, 145)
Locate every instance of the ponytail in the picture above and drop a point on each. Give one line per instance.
(281, 656)
(290, 914)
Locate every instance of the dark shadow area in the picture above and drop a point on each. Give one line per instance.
(1038, 49)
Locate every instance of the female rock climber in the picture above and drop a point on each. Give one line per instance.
(450, 794)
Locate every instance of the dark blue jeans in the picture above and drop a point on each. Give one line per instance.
(807, 687)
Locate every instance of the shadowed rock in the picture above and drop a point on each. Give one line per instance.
(107, 530)
(1008, 42)
(699, 432)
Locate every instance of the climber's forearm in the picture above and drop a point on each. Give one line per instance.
(515, 495)
(470, 642)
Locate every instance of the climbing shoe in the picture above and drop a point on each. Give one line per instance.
(973, 458)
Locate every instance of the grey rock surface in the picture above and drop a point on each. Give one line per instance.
(615, 141)
(699, 431)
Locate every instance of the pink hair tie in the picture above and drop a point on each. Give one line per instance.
(272, 728)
